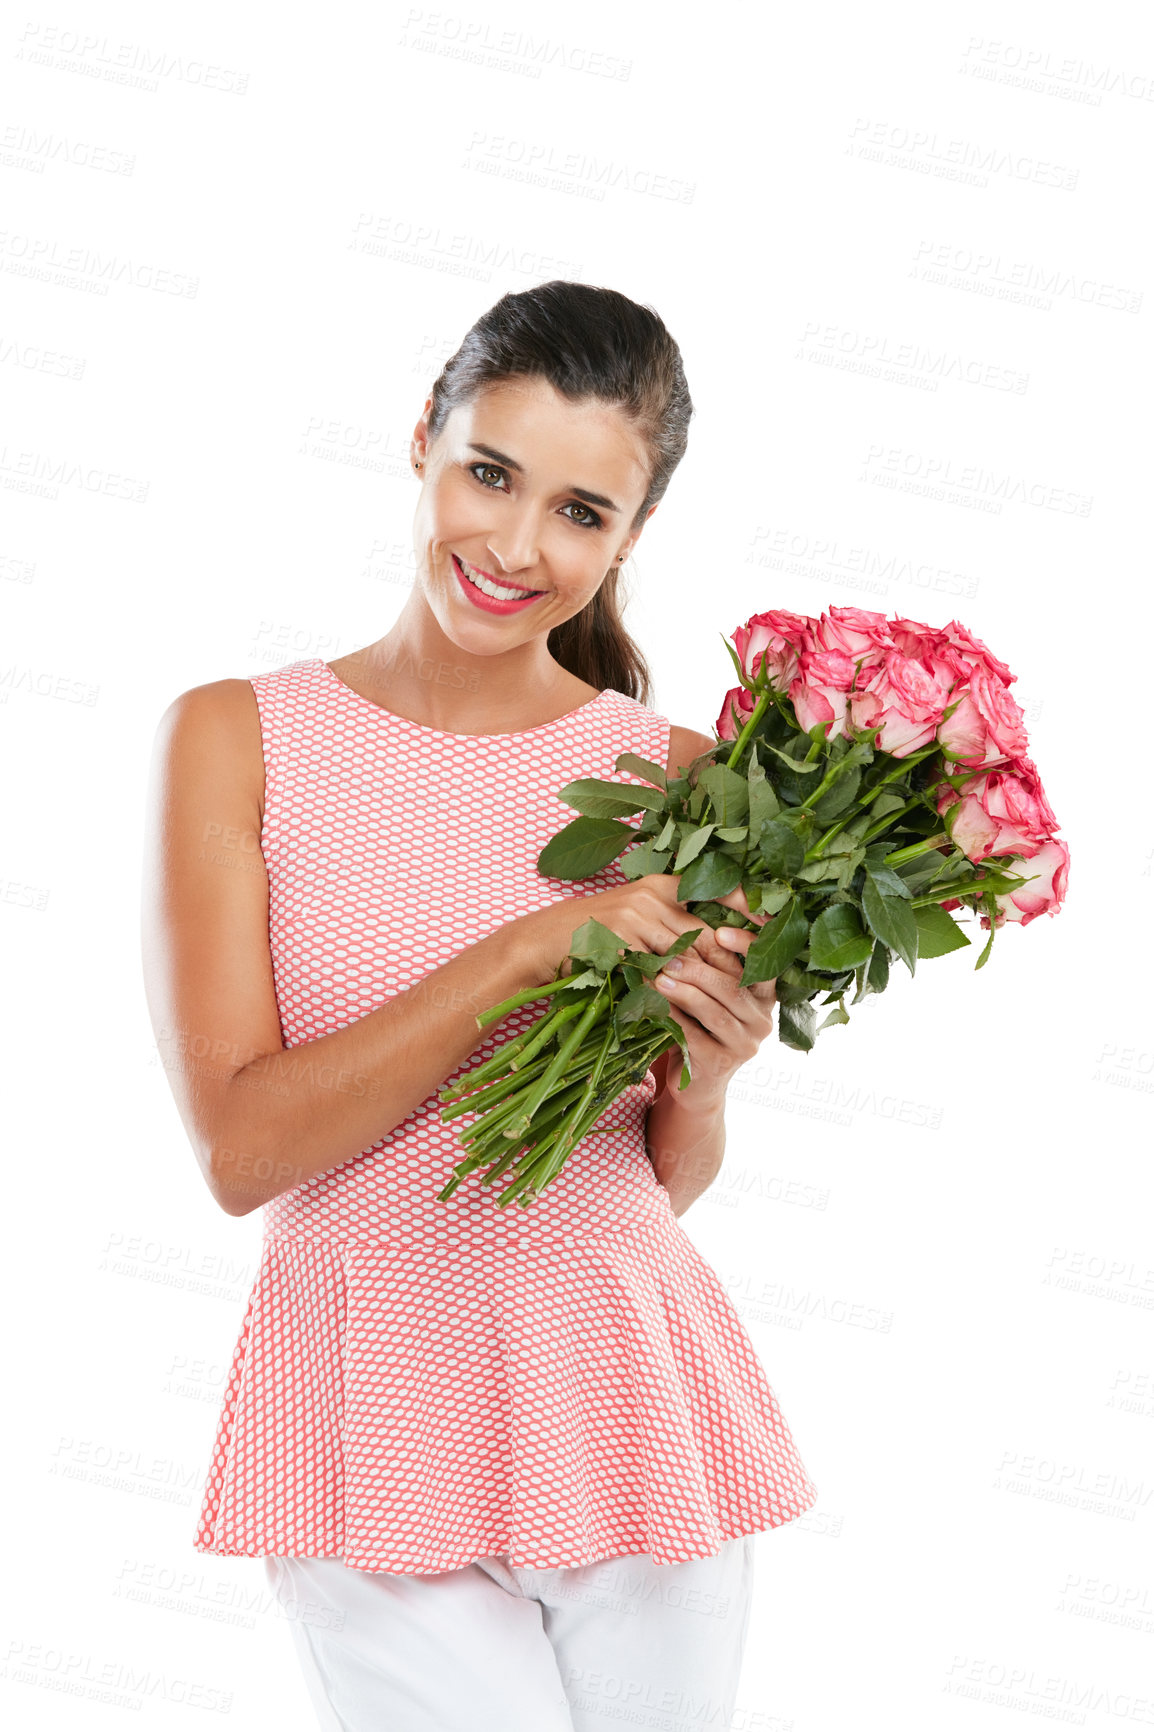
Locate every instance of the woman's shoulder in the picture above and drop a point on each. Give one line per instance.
(685, 744)
(210, 734)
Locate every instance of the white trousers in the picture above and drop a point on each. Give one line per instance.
(496, 1648)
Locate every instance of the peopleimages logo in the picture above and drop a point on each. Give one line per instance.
(963, 159)
(1025, 281)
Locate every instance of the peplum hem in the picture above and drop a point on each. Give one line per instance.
(414, 1405)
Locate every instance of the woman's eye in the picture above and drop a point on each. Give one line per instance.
(589, 521)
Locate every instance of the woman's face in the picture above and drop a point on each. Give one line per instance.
(532, 492)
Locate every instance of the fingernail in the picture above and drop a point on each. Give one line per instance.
(673, 967)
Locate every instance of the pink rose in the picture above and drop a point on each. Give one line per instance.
(911, 697)
(974, 652)
(967, 823)
(1047, 873)
(913, 638)
(725, 728)
(827, 668)
(855, 631)
(1003, 811)
(987, 727)
(813, 704)
(774, 638)
(822, 693)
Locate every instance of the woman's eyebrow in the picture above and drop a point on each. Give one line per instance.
(585, 493)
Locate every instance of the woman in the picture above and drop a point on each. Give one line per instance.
(504, 1465)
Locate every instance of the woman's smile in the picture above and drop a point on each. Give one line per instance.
(485, 592)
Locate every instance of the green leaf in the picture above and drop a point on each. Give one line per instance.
(728, 793)
(795, 1026)
(837, 798)
(878, 972)
(997, 882)
(712, 874)
(820, 869)
(691, 847)
(733, 833)
(642, 1002)
(763, 802)
(849, 865)
(892, 919)
(650, 962)
(776, 945)
(742, 676)
(838, 1014)
(775, 893)
(836, 984)
(635, 766)
(890, 801)
(668, 831)
(581, 982)
(872, 976)
(795, 764)
(686, 1073)
(889, 882)
(596, 943)
(796, 983)
(781, 849)
(583, 847)
(990, 908)
(801, 821)
(845, 766)
(837, 938)
(600, 799)
(916, 874)
(938, 931)
(647, 857)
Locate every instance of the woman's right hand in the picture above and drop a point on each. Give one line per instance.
(644, 912)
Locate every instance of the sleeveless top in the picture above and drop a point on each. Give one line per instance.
(418, 1383)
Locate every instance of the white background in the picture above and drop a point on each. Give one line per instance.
(905, 251)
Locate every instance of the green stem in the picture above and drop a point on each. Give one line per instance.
(519, 998)
(561, 1058)
(899, 769)
(483, 1098)
(543, 1033)
(916, 848)
(820, 845)
(739, 744)
(816, 745)
(891, 818)
(944, 893)
(824, 785)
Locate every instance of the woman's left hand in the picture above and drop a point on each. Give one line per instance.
(724, 1022)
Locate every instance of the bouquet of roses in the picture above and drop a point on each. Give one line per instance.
(868, 777)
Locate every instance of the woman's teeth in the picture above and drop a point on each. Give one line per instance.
(496, 590)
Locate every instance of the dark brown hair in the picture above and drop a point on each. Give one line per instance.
(588, 343)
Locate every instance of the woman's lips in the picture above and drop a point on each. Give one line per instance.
(489, 603)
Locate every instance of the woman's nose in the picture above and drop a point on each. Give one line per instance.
(517, 546)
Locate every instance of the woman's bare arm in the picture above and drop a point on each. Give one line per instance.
(262, 1119)
(685, 1144)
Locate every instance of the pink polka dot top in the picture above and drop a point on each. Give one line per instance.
(417, 1383)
